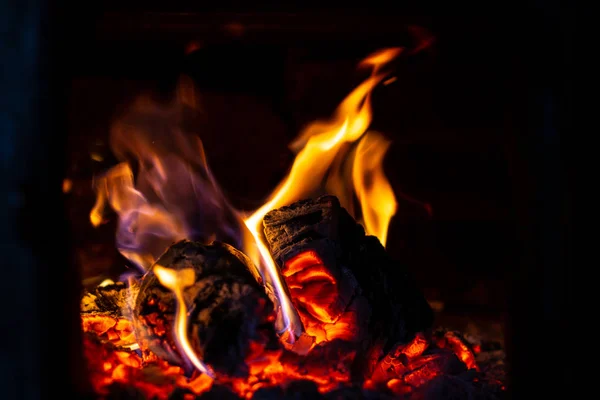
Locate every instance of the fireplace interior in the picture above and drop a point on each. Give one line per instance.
(448, 301)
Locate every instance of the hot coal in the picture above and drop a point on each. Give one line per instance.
(419, 369)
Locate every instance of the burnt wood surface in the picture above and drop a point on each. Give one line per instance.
(111, 299)
(227, 308)
(398, 308)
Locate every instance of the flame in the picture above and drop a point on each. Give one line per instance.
(381, 57)
(374, 192)
(291, 320)
(174, 195)
(136, 215)
(177, 281)
(106, 282)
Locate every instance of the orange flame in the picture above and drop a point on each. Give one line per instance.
(374, 192)
(319, 147)
(177, 281)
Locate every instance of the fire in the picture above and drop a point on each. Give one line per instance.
(177, 281)
(173, 194)
(321, 143)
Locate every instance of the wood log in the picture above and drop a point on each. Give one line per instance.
(227, 308)
(361, 271)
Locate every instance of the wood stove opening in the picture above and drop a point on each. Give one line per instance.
(484, 106)
(259, 79)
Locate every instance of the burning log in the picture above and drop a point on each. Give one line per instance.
(339, 275)
(227, 308)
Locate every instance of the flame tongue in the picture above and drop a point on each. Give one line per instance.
(176, 281)
(290, 319)
(374, 192)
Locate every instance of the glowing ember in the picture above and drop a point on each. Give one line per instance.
(177, 281)
(452, 341)
(116, 330)
(316, 294)
(158, 379)
(408, 368)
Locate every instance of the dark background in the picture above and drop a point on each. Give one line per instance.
(479, 123)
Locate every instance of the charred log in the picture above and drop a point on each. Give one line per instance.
(356, 274)
(227, 308)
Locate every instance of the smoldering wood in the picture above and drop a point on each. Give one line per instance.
(398, 308)
(227, 308)
(115, 299)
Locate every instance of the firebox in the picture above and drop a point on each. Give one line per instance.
(310, 203)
